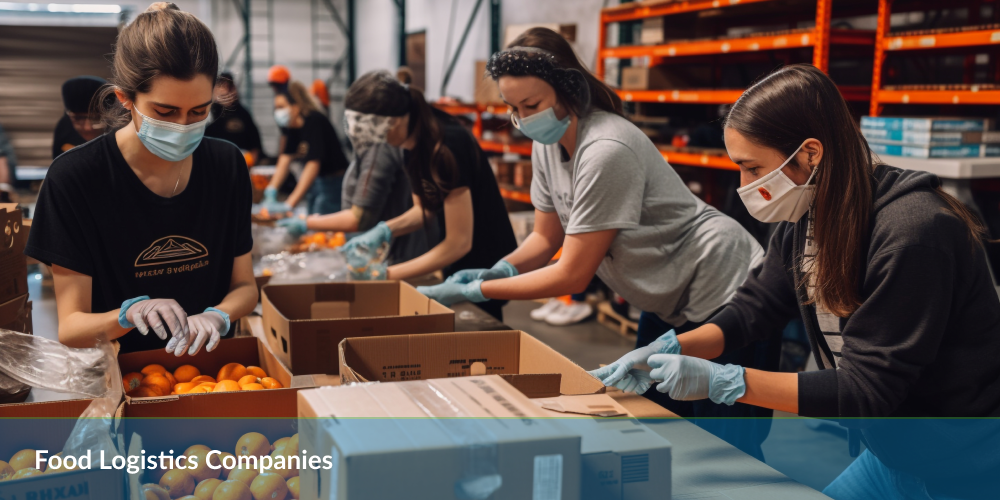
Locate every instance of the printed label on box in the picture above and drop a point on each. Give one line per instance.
(547, 484)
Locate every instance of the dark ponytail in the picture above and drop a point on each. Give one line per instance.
(431, 166)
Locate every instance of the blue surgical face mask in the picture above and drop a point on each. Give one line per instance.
(283, 116)
(542, 127)
(168, 140)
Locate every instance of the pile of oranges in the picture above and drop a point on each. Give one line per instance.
(22, 465)
(155, 380)
(205, 483)
(319, 241)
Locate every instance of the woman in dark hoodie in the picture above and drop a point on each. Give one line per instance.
(890, 275)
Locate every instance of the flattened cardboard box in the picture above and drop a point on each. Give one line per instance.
(437, 437)
(13, 263)
(268, 403)
(445, 355)
(21, 424)
(304, 324)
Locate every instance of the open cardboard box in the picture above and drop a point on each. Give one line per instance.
(304, 323)
(13, 262)
(47, 426)
(15, 315)
(532, 367)
(244, 350)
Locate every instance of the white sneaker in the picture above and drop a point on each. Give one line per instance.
(571, 314)
(540, 313)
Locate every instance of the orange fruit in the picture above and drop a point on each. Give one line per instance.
(202, 471)
(201, 389)
(284, 470)
(232, 371)
(158, 381)
(62, 466)
(205, 488)
(154, 368)
(253, 444)
(293, 487)
(154, 475)
(222, 462)
(6, 471)
(178, 483)
(188, 497)
(270, 383)
(252, 387)
(154, 492)
(186, 373)
(245, 476)
(202, 378)
(195, 447)
(247, 379)
(131, 381)
(269, 486)
(170, 378)
(26, 472)
(279, 444)
(184, 387)
(256, 371)
(22, 460)
(292, 446)
(232, 490)
(226, 386)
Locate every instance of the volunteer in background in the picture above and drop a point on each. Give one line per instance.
(232, 122)
(310, 138)
(897, 298)
(322, 95)
(79, 123)
(8, 166)
(146, 228)
(450, 177)
(278, 78)
(603, 192)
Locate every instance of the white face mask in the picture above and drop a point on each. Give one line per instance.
(776, 198)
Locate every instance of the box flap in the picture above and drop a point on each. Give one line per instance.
(595, 405)
(537, 357)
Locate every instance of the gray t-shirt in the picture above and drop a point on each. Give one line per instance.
(674, 255)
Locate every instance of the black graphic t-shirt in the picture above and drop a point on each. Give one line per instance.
(316, 140)
(95, 217)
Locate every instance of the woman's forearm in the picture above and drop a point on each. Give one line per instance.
(535, 252)
(80, 329)
(410, 221)
(240, 300)
(309, 174)
(705, 342)
(442, 255)
(280, 171)
(777, 391)
(343, 221)
(551, 281)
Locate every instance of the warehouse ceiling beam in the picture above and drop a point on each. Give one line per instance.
(458, 50)
(495, 22)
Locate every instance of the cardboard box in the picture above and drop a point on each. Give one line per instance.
(664, 77)
(447, 355)
(15, 315)
(486, 90)
(13, 262)
(622, 460)
(435, 437)
(658, 30)
(47, 426)
(304, 324)
(244, 350)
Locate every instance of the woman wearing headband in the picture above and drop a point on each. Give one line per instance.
(448, 173)
(604, 193)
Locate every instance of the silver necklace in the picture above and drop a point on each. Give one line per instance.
(178, 183)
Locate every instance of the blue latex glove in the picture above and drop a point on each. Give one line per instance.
(373, 271)
(619, 373)
(450, 293)
(372, 238)
(271, 203)
(296, 226)
(688, 379)
(501, 269)
(637, 381)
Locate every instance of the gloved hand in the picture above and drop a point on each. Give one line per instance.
(501, 269)
(296, 226)
(617, 374)
(162, 315)
(372, 239)
(687, 379)
(209, 326)
(271, 203)
(373, 271)
(636, 380)
(450, 293)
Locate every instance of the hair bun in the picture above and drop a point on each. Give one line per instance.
(157, 6)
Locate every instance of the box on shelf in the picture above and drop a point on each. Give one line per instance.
(927, 124)
(247, 351)
(664, 77)
(655, 30)
(15, 315)
(13, 262)
(447, 355)
(47, 426)
(486, 90)
(438, 437)
(304, 323)
(963, 151)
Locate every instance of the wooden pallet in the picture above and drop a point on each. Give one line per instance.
(609, 318)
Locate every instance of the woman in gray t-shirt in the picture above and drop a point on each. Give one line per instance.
(604, 194)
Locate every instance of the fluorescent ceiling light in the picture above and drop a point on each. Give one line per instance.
(75, 8)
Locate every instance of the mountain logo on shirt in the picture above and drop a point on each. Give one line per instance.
(170, 249)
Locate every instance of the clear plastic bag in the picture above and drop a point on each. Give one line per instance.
(268, 240)
(306, 267)
(367, 264)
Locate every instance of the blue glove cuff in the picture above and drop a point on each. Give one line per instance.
(122, 320)
(667, 343)
(726, 384)
(474, 291)
(224, 316)
(505, 267)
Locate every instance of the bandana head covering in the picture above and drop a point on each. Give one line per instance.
(365, 130)
(531, 61)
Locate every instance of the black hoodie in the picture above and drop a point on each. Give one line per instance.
(926, 340)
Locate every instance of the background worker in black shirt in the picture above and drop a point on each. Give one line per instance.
(148, 227)
(450, 177)
(311, 140)
(79, 124)
(233, 122)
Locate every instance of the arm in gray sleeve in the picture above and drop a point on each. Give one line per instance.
(377, 172)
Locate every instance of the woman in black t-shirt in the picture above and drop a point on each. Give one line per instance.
(149, 227)
(450, 177)
(310, 138)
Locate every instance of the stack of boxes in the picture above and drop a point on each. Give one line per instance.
(15, 308)
(931, 137)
